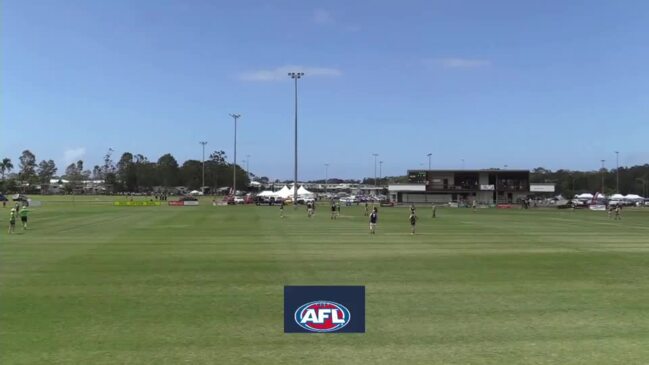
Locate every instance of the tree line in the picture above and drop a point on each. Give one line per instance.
(131, 173)
(136, 173)
(632, 180)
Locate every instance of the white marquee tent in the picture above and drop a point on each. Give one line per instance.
(633, 197)
(303, 193)
(284, 192)
(268, 193)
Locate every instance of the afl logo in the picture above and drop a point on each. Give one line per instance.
(322, 316)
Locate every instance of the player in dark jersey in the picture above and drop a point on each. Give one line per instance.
(333, 210)
(374, 217)
(23, 216)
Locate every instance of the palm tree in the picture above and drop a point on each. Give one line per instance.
(5, 166)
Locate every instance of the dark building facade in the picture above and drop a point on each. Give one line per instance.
(443, 186)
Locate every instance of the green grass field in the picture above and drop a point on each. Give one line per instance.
(90, 283)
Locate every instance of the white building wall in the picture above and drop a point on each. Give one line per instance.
(407, 187)
(426, 198)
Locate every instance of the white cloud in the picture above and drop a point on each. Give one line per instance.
(321, 16)
(454, 62)
(73, 154)
(281, 73)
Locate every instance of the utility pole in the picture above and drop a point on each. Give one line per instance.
(644, 186)
(617, 171)
(602, 173)
(203, 179)
(326, 176)
(375, 156)
(234, 165)
(247, 166)
(295, 76)
(429, 156)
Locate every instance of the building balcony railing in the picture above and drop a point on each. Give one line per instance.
(499, 187)
(452, 187)
(513, 187)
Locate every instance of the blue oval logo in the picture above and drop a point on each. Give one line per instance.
(322, 316)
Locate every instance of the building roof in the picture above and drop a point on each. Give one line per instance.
(472, 170)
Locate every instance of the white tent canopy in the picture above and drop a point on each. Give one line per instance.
(617, 196)
(302, 192)
(633, 197)
(284, 192)
(268, 193)
(584, 196)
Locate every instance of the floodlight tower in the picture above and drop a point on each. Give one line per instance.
(617, 171)
(203, 178)
(295, 76)
(234, 164)
(248, 166)
(326, 175)
(375, 156)
(603, 170)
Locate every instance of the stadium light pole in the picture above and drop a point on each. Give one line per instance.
(203, 177)
(617, 171)
(234, 165)
(603, 168)
(380, 169)
(429, 156)
(644, 186)
(247, 166)
(326, 176)
(295, 76)
(375, 156)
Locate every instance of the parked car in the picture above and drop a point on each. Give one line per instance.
(305, 200)
(349, 200)
(19, 198)
(239, 200)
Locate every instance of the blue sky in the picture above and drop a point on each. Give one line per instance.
(559, 84)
